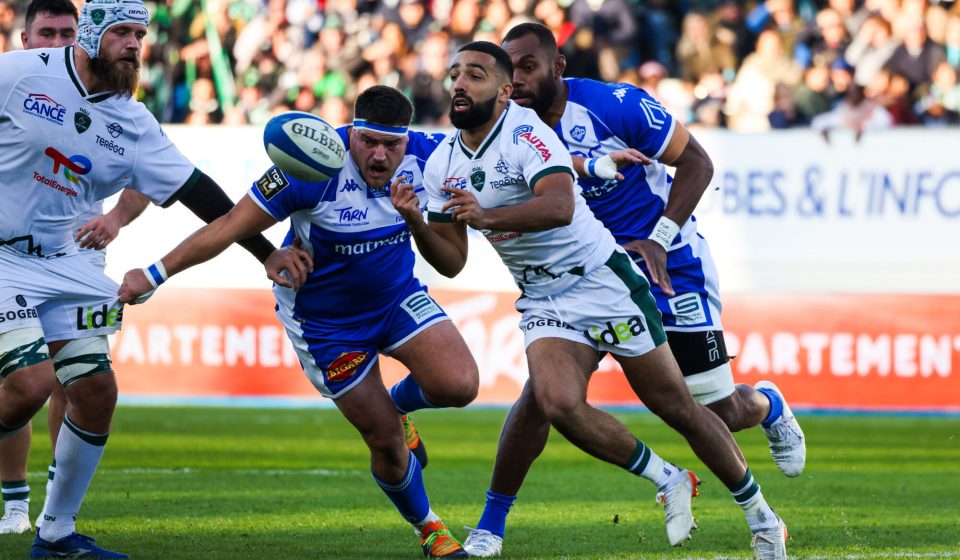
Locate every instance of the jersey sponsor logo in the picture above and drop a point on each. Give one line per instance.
(52, 183)
(524, 133)
(351, 215)
(135, 12)
(501, 167)
(43, 106)
(506, 182)
(21, 301)
(28, 239)
(82, 120)
(45, 57)
(365, 247)
(537, 274)
(578, 132)
(89, 318)
(115, 129)
(477, 179)
(655, 114)
(614, 334)
(620, 93)
(350, 186)
(540, 323)
(591, 189)
(503, 236)
(272, 182)
(73, 166)
(453, 183)
(420, 306)
(108, 144)
(345, 365)
(14, 314)
(688, 309)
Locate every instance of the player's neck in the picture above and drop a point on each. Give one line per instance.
(81, 61)
(473, 137)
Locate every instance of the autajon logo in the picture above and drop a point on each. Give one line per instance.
(525, 134)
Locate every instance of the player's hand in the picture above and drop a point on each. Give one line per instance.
(655, 257)
(627, 157)
(289, 266)
(135, 287)
(406, 202)
(98, 232)
(466, 208)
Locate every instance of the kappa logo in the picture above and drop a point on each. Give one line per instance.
(620, 93)
(43, 106)
(578, 133)
(73, 166)
(350, 186)
(82, 120)
(345, 365)
(115, 129)
(272, 182)
(524, 133)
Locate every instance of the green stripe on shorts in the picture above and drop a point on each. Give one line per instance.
(620, 264)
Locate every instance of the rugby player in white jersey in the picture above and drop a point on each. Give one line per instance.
(53, 23)
(642, 209)
(360, 299)
(507, 174)
(57, 157)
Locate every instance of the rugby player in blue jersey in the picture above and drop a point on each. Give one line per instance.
(357, 296)
(606, 126)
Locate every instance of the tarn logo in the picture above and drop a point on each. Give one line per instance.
(73, 166)
(45, 107)
(578, 133)
(351, 214)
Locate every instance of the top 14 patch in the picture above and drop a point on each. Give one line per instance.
(272, 182)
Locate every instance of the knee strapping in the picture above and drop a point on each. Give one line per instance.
(21, 348)
(81, 358)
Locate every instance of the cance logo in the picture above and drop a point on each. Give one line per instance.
(43, 106)
(73, 166)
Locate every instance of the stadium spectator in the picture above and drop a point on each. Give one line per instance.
(917, 55)
(750, 98)
(870, 49)
(814, 95)
(856, 113)
(700, 50)
(785, 113)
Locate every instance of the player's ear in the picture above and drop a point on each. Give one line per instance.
(559, 65)
(506, 91)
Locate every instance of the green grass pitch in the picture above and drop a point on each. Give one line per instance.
(206, 483)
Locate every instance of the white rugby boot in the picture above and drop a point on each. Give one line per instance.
(771, 544)
(787, 445)
(482, 543)
(16, 519)
(678, 511)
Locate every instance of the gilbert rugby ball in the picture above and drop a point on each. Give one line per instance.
(304, 146)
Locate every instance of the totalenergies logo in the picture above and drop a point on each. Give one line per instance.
(73, 166)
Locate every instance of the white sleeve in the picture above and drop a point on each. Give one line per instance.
(433, 180)
(160, 170)
(535, 149)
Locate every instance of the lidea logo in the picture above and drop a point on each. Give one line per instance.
(617, 333)
(89, 318)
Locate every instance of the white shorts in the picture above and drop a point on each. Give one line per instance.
(68, 297)
(609, 309)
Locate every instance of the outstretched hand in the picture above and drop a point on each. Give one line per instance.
(626, 157)
(289, 266)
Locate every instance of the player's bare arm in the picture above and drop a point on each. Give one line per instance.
(443, 245)
(245, 220)
(100, 231)
(693, 173)
(551, 207)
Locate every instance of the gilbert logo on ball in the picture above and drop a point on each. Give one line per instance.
(304, 146)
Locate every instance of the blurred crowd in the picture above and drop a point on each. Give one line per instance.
(747, 66)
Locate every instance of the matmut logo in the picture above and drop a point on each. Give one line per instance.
(43, 106)
(525, 134)
(73, 166)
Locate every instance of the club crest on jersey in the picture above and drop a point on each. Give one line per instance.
(345, 365)
(43, 106)
(272, 182)
(477, 179)
(82, 120)
(578, 133)
(97, 16)
(524, 133)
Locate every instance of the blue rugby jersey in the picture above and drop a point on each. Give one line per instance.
(601, 118)
(359, 242)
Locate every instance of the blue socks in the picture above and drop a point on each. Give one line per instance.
(408, 397)
(408, 494)
(494, 518)
(776, 407)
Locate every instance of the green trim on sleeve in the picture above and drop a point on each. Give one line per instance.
(549, 171)
(187, 186)
(440, 218)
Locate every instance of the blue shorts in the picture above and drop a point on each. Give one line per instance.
(696, 307)
(337, 353)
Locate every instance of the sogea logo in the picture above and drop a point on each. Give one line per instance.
(73, 166)
(13, 315)
(525, 134)
(45, 107)
(98, 317)
(616, 333)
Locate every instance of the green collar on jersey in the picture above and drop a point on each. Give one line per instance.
(486, 141)
(95, 98)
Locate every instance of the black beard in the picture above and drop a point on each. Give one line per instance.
(479, 113)
(115, 78)
(546, 93)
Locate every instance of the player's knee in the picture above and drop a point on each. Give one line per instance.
(730, 411)
(560, 407)
(22, 348)
(27, 382)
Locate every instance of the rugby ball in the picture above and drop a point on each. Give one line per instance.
(304, 146)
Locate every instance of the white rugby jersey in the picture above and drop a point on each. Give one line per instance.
(62, 149)
(520, 150)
